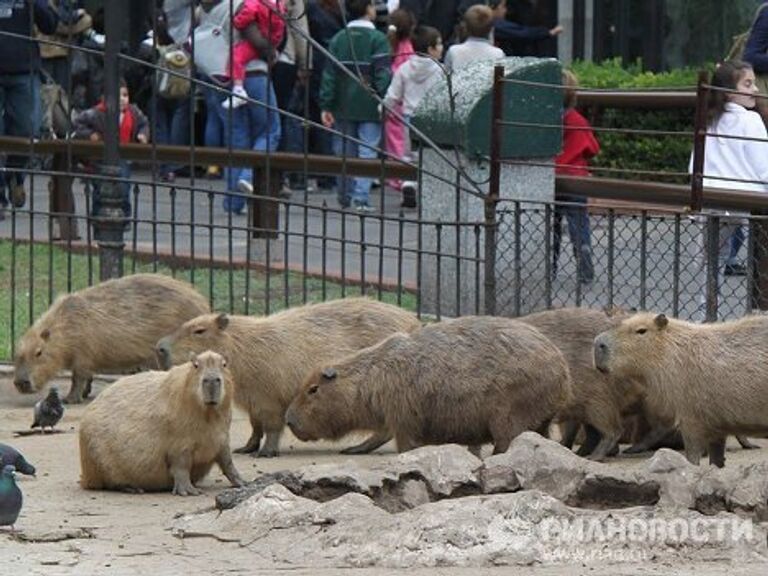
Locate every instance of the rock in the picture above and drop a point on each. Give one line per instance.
(231, 497)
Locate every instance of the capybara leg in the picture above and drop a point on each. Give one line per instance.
(271, 446)
(79, 381)
(716, 451)
(746, 444)
(656, 435)
(88, 388)
(543, 430)
(605, 447)
(376, 440)
(224, 461)
(693, 449)
(405, 442)
(570, 431)
(592, 438)
(476, 450)
(255, 440)
(182, 483)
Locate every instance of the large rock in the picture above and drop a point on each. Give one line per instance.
(501, 529)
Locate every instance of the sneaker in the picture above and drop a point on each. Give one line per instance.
(18, 195)
(244, 187)
(737, 269)
(363, 208)
(237, 100)
(409, 195)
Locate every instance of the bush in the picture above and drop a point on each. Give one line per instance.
(658, 153)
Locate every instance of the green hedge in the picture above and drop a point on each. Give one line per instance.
(630, 152)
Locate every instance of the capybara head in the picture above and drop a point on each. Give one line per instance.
(210, 379)
(624, 350)
(37, 360)
(205, 332)
(322, 408)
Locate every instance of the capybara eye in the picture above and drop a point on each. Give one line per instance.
(200, 331)
(312, 390)
(642, 330)
(39, 352)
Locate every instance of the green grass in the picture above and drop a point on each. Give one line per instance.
(32, 276)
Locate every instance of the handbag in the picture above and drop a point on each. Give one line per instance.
(174, 72)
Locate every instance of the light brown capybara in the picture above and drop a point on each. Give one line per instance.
(159, 431)
(112, 326)
(599, 400)
(271, 356)
(713, 377)
(470, 381)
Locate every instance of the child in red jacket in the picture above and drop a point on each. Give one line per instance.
(579, 145)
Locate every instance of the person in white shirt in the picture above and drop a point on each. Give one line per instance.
(733, 163)
(478, 22)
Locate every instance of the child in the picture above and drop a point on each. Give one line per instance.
(401, 23)
(267, 15)
(346, 103)
(478, 22)
(133, 127)
(579, 145)
(411, 82)
(730, 163)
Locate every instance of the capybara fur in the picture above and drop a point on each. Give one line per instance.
(157, 431)
(713, 377)
(112, 326)
(470, 381)
(598, 399)
(271, 356)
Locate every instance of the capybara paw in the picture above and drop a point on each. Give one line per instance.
(635, 449)
(267, 453)
(247, 449)
(188, 490)
(354, 450)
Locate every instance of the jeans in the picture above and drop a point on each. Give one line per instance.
(738, 237)
(252, 126)
(20, 112)
(171, 125)
(356, 190)
(125, 189)
(577, 218)
(214, 126)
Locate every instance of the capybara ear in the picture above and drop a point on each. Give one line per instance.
(193, 359)
(45, 334)
(222, 321)
(661, 321)
(329, 373)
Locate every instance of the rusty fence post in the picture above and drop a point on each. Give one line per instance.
(699, 142)
(492, 198)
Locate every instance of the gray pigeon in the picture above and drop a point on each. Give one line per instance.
(9, 455)
(10, 497)
(49, 410)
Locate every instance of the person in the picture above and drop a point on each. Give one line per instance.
(506, 32)
(255, 125)
(729, 163)
(347, 104)
(268, 16)
(133, 127)
(579, 145)
(409, 85)
(20, 83)
(478, 22)
(442, 14)
(401, 24)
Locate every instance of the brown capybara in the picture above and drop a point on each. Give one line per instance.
(470, 381)
(112, 326)
(159, 431)
(271, 356)
(599, 400)
(713, 377)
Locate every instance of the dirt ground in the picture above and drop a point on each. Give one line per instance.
(66, 530)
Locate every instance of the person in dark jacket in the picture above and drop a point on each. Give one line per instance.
(440, 14)
(20, 81)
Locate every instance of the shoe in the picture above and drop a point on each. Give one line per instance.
(18, 195)
(409, 195)
(168, 177)
(343, 202)
(737, 269)
(363, 208)
(213, 172)
(237, 100)
(244, 187)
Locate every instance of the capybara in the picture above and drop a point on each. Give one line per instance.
(470, 381)
(112, 326)
(271, 356)
(713, 377)
(599, 400)
(159, 431)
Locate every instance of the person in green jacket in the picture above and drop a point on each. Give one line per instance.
(347, 104)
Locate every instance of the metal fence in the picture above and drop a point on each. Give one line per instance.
(295, 246)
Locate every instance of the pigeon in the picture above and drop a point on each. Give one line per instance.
(10, 497)
(9, 455)
(49, 410)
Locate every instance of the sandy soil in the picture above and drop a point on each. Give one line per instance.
(66, 530)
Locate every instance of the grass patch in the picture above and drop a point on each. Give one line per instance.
(33, 275)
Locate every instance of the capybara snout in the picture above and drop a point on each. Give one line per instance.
(22, 381)
(601, 353)
(211, 378)
(163, 354)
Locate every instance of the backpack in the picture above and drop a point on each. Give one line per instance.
(172, 61)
